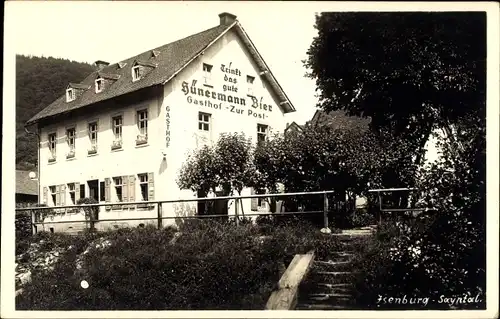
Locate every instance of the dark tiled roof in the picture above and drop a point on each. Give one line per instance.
(108, 75)
(338, 119)
(25, 185)
(171, 58)
(79, 86)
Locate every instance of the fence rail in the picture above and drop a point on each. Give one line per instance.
(159, 208)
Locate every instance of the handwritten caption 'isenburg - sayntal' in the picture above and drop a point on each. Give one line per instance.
(226, 100)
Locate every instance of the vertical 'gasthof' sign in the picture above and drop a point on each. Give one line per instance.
(167, 128)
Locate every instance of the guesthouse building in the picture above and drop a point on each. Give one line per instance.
(123, 133)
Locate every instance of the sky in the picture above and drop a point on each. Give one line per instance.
(112, 31)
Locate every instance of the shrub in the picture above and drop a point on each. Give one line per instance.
(212, 265)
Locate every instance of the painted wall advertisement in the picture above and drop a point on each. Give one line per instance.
(228, 98)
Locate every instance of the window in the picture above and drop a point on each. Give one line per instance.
(102, 190)
(118, 188)
(142, 124)
(261, 133)
(98, 85)
(82, 190)
(53, 194)
(117, 127)
(204, 121)
(250, 80)
(207, 73)
(72, 193)
(143, 183)
(70, 95)
(93, 136)
(136, 74)
(70, 138)
(52, 145)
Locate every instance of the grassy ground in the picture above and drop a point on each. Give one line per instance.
(211, 265)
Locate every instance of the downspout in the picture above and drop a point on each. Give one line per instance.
(38, 157)
(33, 229)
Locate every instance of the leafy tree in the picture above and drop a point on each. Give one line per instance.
(39, 82)
(226, 166)
(410, 72)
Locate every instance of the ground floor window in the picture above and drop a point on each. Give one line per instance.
(118, 188)
(143, 183)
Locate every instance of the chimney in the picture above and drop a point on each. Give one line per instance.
(226, 18)
(101, 64)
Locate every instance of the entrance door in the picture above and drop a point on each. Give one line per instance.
(94, 189)
(221, 205)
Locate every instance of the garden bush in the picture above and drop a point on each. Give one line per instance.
(212, 265)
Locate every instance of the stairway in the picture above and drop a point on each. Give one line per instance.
(329, 285)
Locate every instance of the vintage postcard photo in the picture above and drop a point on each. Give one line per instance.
(250, 159)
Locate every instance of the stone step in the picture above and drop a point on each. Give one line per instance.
(341, 256)
(334, 277)
(332, 265)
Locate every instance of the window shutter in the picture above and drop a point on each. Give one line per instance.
(131, 190)
(45, 190)
(62, 197)
(58, 195)
(255, 201)
(151, 190)
(125, 188)
(77, 192)
(107, 192)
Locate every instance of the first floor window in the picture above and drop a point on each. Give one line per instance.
(93, 134)
(261, 133)
(70, 135)
(204, 121)
(143, 183)
(118, 188)
(117, 127)
(142, 122)
(52, 144)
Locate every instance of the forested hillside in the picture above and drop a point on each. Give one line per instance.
(40, 81)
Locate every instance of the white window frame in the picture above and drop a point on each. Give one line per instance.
(72, 192)
(263, 133)
(143, 131)
(250, 81)
(118, 183)
(143, 181)
(117, 137)
(98, 85)
(207, 73)
(52, 144)
(136, 69)
(70, 95)
(53, 194)
(204, 120)
(71, 139)
(93, 142)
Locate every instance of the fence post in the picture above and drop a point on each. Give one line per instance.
(160, 220)
(33, 221)
(236, 207)
(325, 210)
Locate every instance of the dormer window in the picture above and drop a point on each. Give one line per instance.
(98, 85)
(136, 74)
(70, 95)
